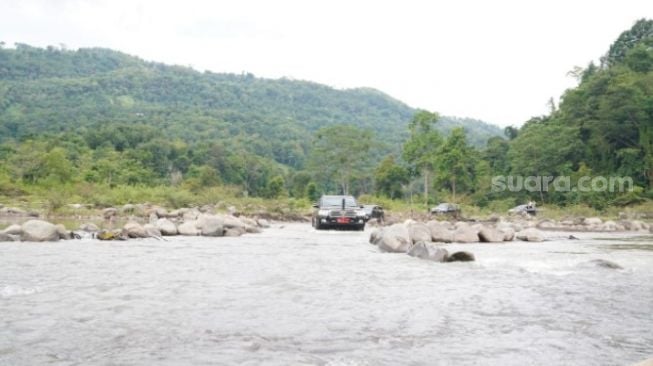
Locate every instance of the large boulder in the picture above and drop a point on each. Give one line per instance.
(491, 235)
(191, 214)
(394, 238)
(440, 232)
(530, 234)
(152, 231)
(189, 228)
(13, 230)
(419, 232)
(230, 222)
(233, 232)
(508, 233)
(38, 230)
(265, 224)
(134, 230)
(428, 251)
(166, 227)
(465, 234)
(210, 225)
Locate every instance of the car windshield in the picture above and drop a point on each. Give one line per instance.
(337, 201)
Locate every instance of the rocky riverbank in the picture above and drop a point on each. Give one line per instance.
(426, 240)
(152, 222)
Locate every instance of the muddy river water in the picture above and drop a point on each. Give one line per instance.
(294, 296)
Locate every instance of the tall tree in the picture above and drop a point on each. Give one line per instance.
(421, 148)
(457, 162)
(389, 177)
(339, 154)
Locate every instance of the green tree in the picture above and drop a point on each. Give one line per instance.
(422, 146)
(389, 177)
(339, 154)
(457, 162)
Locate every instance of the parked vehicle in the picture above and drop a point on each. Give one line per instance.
(448, 209)
(338, 212)
(527, 209)
(374, 212)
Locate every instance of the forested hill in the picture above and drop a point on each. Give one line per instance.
(54, 90)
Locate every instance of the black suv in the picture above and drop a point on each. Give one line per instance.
(340, 212)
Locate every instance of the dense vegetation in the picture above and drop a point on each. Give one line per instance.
(103, 127)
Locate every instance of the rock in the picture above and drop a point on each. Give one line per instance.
(13, 230)
(247, 221)
(191, 214)
(609, 226)
(166, 227)
(605, 264)
(440, 232)
(230, 222)
(4, 237)
(109, 213)
(63, 232)
(253, 229)
(38, 230)
(592, 221)
(419, 232)
(547, 225)
(530, 234)
(395, 239)
(134, 230)
(465, 235)
(89, 227)
(508, 233)
(110, 235)
(428, 251)
(461, 257)
(265, 224)
(177, 213)
(189, 228)
(152, 231)
(210, 225)
(233, 232)
(161, 212)
(375, 236)
(490, 235)
(128, 208)
(232, 210)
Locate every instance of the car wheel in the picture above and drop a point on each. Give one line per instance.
(316, 224)
(360, 227)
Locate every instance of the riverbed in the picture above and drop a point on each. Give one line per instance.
(295, 296)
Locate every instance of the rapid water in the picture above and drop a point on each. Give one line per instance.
(294, 296)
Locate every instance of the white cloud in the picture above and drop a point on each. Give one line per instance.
(498, 61)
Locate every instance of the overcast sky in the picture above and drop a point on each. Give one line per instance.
(499, 61)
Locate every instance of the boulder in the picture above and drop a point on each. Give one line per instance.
(64, 233)
(248, 222)
(128, 208)
(395, 239)
(253, 229)
(375, 236)
(461, 257)
(419, 232)
(134, 230)
(233, 232)
(491, 235)
(166, 227)
(13, 211)
(530, 234)
(230, 222)
(440, 232)
(189, 228)
(428, 251)
(38, 230)
(152, 231)
(110, 235)
(191, 214)
(109, 213)
(13, 230)
(465, 235)
(210, 225)
(6, 237)
(508, 233)
(89, 227)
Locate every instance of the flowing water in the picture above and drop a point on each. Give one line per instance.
(296, 296)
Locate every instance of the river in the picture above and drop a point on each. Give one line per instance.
(294, 296)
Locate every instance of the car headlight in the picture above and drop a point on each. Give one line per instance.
(323, 212)
(361, 214)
